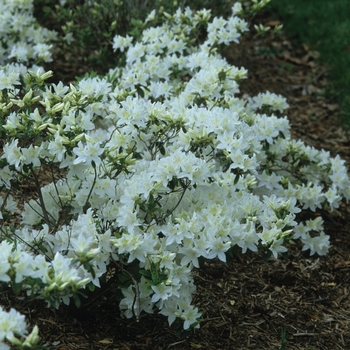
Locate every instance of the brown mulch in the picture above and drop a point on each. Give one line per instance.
(247, 302)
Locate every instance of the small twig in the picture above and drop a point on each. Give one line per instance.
(181, 197)
(5, 200)
(41, 199)
(33, 248)
(37, 212)
(55, 185)
(319, 300)
(136, 306)
(3, 206)
(85, 207)
(177, 343)
(319, 75)
(104, 288)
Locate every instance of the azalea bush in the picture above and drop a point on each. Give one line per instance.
(136, 177)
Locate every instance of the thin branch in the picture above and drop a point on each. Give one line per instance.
(55, 185)
(5, 200)
(85, 207)
(136, 306)
(41, 199)
(181, 197)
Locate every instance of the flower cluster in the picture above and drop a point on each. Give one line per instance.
(153, 168)
(22, 40)
(12, 325)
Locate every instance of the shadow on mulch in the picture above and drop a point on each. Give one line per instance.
(248, 302)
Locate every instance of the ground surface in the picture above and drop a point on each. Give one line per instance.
(247, 301)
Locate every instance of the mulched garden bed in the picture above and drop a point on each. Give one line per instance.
(247, 303)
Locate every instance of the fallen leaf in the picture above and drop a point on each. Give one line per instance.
(333, 107)
(294, 60)
(314, 317)
(273, 23)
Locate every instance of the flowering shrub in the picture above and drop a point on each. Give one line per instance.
(151, 169)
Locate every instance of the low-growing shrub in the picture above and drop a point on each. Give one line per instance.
(139, 175)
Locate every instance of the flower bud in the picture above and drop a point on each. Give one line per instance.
(28, 96)
(32, 339)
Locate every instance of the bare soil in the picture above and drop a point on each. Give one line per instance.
(247, 302)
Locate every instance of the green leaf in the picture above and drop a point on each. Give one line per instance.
(236, 179)
(145, 273)
(77, 300)
(88, 267)
(16, 287)
(91, 287)
(82, 294)
(162, 149)
(123, 277)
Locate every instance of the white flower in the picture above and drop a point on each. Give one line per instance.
(270, 181)
(121, 43)
(267, 128)
(43, 52)
(319, 244)
(169, 309)
(6, 251)
(315, 224)
(57, 148)
(161, 292)
(190, 254)
(13, 154)
(88, 153)
(8, 80)
(23, 266)
(39, 267)
(245, 237)
(11, 323)
(135, 243)
(20, 51)
(218, 248)
(128, 303)
(237, 8)
(333, 197)
(275, 102)
(310, 196)
(151, 16)
(269, 235)
(190, 316)
(60, 89)
(277, 247)
(135, 53)
(95, 87)
(82, 243)
(31, 155)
